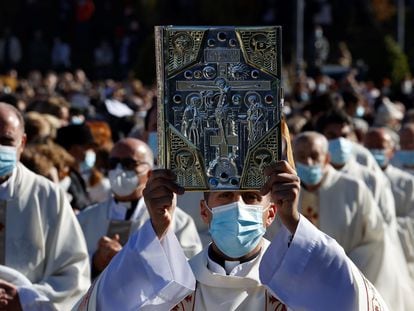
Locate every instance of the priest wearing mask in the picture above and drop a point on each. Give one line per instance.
(404, 156)
(382, 146)
(301, 269)
(107, 225)
(342, 207)
(345, 156)
(43, 258)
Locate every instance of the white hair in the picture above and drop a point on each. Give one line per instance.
(311, 136)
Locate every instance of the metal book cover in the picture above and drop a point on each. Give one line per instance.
(219, 104)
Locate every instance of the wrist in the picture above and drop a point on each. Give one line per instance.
(291, 220)
(159, 229)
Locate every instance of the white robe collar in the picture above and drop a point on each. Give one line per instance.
(242, 276)
(117, 210)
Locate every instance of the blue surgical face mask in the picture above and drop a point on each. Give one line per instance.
(405, 157)
(309, 174)
(237, 228)
(89, 162)
(304, 96)
(321, 88)
(360, 112)
(153, 143)
(380, 157)
(8, 159)
(340, 150)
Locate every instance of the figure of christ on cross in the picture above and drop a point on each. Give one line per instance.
(223, 140)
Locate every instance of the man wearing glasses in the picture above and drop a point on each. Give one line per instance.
(107, 225)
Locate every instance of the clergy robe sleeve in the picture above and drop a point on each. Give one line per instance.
(313, 273)
(148, 274)
(66, 275)
(186, 233)
(30, 299)
(405, 219)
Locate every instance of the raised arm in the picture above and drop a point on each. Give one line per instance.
(151, 271)
(305, 268)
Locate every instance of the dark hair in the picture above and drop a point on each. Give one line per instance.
(350, 97)
(74, 134)
(9, 99)
(149, 115)
(335, 116)
(206, 195)
(323, 102)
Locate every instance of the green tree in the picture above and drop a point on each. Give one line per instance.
(397, 61)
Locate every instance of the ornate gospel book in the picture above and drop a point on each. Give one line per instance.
(219, 104)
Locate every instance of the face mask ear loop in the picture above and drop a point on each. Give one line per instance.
(210, 209)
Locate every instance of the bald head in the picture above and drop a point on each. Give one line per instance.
(378, 138)
(12, 128)
(311, 148)
(133, 148)
(9, 113)
(407, 137)
(313, 138)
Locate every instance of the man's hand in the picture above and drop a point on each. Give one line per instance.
(107, 249)
(9, 297)
(283, 185)
(159, 198)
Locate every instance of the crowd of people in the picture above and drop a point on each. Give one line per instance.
(103, 37)
(101, 213)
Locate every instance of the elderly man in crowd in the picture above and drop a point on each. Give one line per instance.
(345, 156)
(382, 146)
(404, 156)
(41, 243)
(107, 225)
(342, 206)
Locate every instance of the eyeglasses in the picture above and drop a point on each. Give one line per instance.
(126, 163)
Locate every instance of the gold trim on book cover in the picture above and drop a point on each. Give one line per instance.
(219, 104)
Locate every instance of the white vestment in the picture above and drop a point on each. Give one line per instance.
(95, 221)
(364, 157)
(347, 212)
(402, 184)
(313, 273)
(44, 242)
(379, 185)
(190, 202)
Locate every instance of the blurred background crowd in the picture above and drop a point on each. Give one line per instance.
(82, 71)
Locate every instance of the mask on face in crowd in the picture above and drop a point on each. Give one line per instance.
(237, 228)
(321, 88)
(8, 159)
(360, 112)
(405, 157)
(340, 150)
(304, 96)
(407, 87)
(89, 162)
(77, 119)
(123, 182)
(153, 143)
(380, 157)
(309, 174)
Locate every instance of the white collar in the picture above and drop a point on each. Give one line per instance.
(117, 210)
(232, 268)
